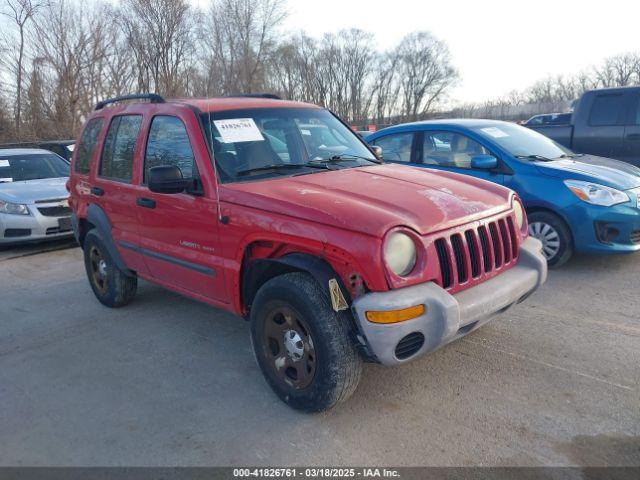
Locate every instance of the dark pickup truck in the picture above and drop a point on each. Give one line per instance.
(605, 122)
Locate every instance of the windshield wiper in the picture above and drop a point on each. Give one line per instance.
(342, 158)
(277, 166)
(540, 158)
(573, 155)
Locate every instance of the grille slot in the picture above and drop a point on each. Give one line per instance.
(505, 241)
(458, 253)
(486, 249)
(635, 236)
(495, 240)
(445, 265)
(474, 254)
(409, 345)
(58, 211)
(514, 242)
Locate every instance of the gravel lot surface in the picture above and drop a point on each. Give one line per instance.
(169, 381)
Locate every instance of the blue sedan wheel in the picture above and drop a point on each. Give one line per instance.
(548, 236)
(554, 235)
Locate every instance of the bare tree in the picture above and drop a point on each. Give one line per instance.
(425, 71)
(20, 13)
(238, 37)
(159, 33)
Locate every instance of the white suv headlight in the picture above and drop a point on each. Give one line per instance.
(13, 208)
(596, 194)
(400, 253)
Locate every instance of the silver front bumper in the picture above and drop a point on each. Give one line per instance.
(448, 317)
(39, 226)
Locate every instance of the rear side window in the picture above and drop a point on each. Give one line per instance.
(119, 145)
(168, 144)
(606, 110)
(87, 145)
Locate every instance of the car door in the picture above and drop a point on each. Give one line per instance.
(114, 187)
(179, 232)
(453, 151)
(632, 130)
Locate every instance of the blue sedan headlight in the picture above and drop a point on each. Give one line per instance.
(13, 208)
(596, 194)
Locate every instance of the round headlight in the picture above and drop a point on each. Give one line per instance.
(519, 212)
(400, 253)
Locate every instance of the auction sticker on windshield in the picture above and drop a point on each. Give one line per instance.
(238, 130)
(495, 132)
(4, 163)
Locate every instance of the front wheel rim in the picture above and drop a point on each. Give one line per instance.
(549, 237)
(99, 272)
(288, 348)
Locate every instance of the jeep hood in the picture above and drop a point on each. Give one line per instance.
(372, 200)
(590, 168)
(31, 191)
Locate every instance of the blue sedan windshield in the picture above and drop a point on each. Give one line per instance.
(522, 142)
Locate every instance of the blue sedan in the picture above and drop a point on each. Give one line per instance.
(574, 202)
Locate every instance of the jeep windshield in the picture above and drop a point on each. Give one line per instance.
(262, 143)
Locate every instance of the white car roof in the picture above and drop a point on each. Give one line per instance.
(12, 152)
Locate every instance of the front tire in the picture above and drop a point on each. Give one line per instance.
(111, 286)
(555, 236)
(303, 347)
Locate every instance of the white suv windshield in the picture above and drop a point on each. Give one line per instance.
(270, 142)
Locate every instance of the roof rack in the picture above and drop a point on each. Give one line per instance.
(272, 96)
(152, 97)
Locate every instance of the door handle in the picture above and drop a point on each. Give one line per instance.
(633, 136)
(97, 191)
(145, 202)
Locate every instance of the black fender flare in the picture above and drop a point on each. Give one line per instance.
(99, 219)
(261, 270)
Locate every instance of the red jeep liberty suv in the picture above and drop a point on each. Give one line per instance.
(277, 211)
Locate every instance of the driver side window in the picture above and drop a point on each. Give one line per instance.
(449, 149)
(168, 144)
(396, 147)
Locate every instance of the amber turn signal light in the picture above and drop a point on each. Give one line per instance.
(395, 316)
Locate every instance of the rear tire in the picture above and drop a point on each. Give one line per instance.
(553, 232)
(111, 286)
(303, 346)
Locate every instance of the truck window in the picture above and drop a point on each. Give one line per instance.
(606, 110)
(87, 144)
(117, 155)
(168, 144)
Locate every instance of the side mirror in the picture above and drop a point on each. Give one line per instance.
(167, 179)
(485, 162)
(377, 151)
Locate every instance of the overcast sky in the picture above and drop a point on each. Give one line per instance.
(497, 45)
